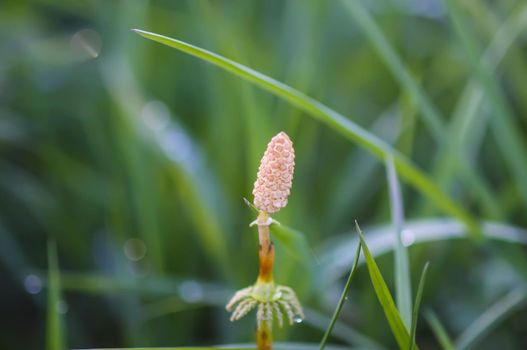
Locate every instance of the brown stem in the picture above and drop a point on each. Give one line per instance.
(264, 337)
(266, 251)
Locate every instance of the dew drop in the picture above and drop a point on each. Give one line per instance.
(346, 297)
(134, 249)
(298, 319)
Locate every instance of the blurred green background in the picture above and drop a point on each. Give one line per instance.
(135, 159)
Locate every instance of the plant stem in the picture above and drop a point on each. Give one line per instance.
(264, 337)
(266, 251)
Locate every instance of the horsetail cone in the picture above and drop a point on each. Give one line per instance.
(275, 175)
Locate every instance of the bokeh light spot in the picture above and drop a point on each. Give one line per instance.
(134, 249)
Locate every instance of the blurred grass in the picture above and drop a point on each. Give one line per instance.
(417, 305)
(439, 331)
(403, 286)
(135, 160)
(55, 335)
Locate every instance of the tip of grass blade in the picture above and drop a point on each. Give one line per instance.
(250, 205)
(141, 32)
(358, 228)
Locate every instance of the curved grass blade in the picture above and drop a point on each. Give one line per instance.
(54, 324)
(334, 258)
(439, 331)
(346, 127)
(397, 326)
(417, 304)
(403, 287)
(342, 299)
(490, 319)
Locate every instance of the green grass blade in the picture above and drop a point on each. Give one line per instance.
(417, 305)
(346, 127)
(342, 299)
(54, 325)
(334, 258)
(397, 326)
(431, 117)
(439, 331)
(403, 287)
(490, 319)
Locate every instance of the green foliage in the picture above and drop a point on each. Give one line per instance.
(333, 119)
(134, 159)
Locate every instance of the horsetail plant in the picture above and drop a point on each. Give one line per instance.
(271, 190)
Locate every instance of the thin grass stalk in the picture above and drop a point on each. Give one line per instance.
(343, 298)
(403, 286)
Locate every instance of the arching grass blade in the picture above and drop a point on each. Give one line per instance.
(337, 121)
